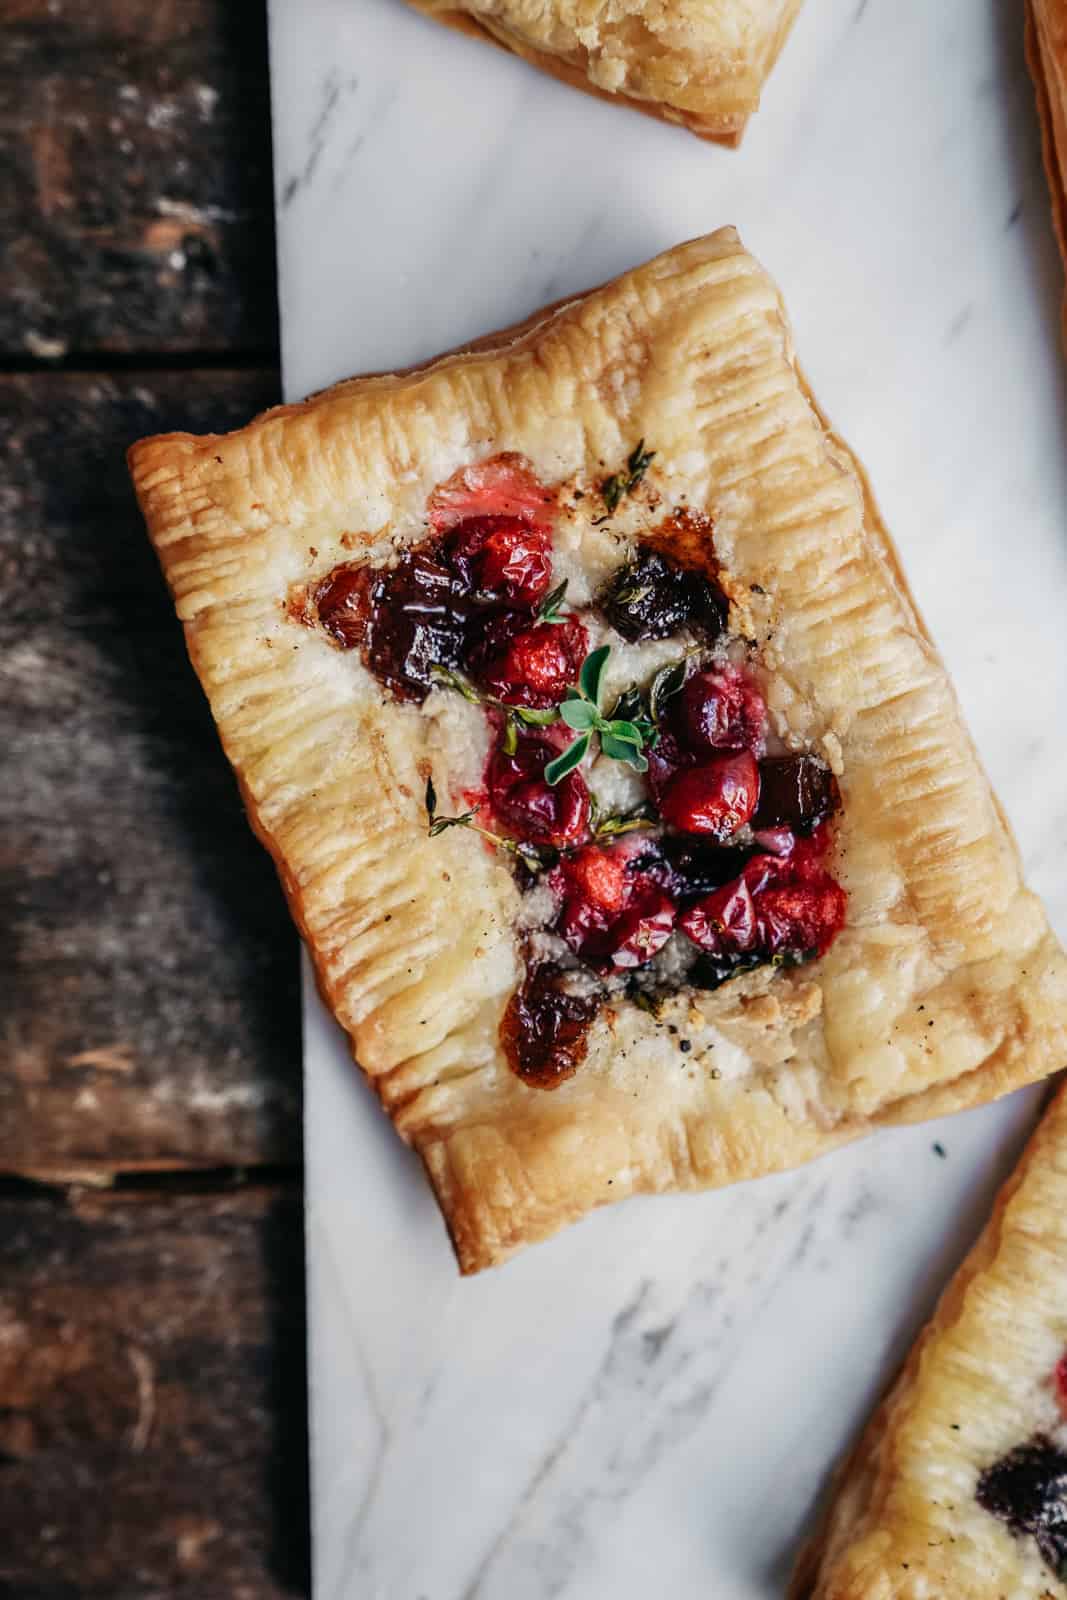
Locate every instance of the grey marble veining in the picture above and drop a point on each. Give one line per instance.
(651, 1402)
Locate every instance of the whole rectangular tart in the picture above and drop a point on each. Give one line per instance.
(770, 902)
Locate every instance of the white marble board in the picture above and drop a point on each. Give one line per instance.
(651, 1402)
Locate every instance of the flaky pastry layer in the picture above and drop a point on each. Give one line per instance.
(945, 988)
(905, 1524)
(700, 63)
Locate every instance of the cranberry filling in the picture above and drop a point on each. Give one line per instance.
(797, 791)
(537, 666)
(715, 798)
(651, 598)
(465, 600)
(504, 486)
(503, 557)
(722, 710)
(1027, 1490)
(544, 1027)
(343, 602)
(527, 805)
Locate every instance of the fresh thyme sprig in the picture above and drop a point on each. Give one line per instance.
(621, 483)
(548, 610)
(535, 858)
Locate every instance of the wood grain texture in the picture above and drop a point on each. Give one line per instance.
(149, 970)
(152, 1397)
(136, 191)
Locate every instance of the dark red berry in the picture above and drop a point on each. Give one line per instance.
(797, 791)
(531, 809)
(716, 798)
(722, 709)
(801, 917)
(419, 617)
(544, 1027)
(343, 603)
(641, 932)
(537, 666)
(690, 868)
(665, 760)
(504, 557)
(724, 921)
(651, 598)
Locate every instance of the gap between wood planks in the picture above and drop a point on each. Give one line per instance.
(57, 1184)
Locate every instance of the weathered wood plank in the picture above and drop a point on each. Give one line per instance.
(149, 972)
(152, 1436)
(137, 191)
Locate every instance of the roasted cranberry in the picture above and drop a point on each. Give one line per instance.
(725, 920)
(419, 617)
(799, 791)
(722, 709)
(598, 876)
(641, 932)
(596, 887)
(504, 486)
(800, 917)
(651, 598)
(716, 798)
(503, 557)
(537, 666)
(343, 602)
(691, 868)
(1027, 1490)
(665, 759)
(544, 1027)
(530, 808)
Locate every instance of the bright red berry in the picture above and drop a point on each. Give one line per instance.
(537, 666)
(722, 709)
(641, 932)
(527, 806)
(800, 917)
(504, 486)
(724, 921)
(503, 556)
(599, 877)
(716, 798)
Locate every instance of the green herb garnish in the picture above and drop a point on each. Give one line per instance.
(621, 738)
(533, 858)
(548, 610)
(621, 483)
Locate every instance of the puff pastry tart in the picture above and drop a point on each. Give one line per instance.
(1046, 48)
(615, 785)
(958, 1489)
(701, 63)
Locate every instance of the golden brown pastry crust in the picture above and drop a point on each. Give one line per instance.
(946, 987)
(1046, 51)
(700, 63)
(905, 1524)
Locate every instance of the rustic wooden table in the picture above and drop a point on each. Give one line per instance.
(152, 1435)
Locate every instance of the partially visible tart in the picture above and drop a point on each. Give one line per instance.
(615, 785)
(958, 1488)
(700, 63)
